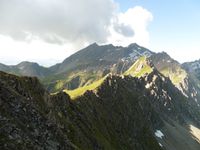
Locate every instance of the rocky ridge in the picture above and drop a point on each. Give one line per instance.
(123, 113)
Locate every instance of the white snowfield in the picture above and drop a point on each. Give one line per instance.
(159, 134)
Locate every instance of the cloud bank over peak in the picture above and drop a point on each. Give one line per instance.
(69, 24)
(56, 21)
(78, 21)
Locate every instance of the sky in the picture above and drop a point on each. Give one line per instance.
(48, 31)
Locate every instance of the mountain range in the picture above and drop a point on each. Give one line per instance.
(102, 97)
(83, 67)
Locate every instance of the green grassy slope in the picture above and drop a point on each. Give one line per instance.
(81, 90)
(71, 80)
(139, 68)
(169, 68)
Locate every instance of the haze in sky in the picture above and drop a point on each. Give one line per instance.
(48, 31)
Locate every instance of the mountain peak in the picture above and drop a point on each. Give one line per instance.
(93, 45)
(27, 63)
(133, 45)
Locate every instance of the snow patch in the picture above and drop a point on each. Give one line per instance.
(169, 98)
(132, 55)
(21, 68)
(147, 54)
(169, 61)
(160, 145)
(159, 134)
(109, 82)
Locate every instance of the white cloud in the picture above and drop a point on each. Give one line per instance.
(13, 52)
(56, 21)
(134, 19)
(47, 31)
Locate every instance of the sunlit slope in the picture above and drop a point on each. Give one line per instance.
(122, 113)
(80, 91)
(139, 68)
(169, 68)
(71, 80)
(91, 64)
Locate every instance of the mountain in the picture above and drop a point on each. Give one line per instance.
(105, 97)
(91, 64)
(26, 69)
(169, 67)
(95, 62)
(193, 68)
(121, 112)
(82, 68)
(186, 82)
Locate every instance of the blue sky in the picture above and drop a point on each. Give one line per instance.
(175, 27)
(48, 31)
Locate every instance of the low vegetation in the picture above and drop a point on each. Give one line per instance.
(81, 90)
(139, 68)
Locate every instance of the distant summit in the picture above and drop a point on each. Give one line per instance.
(95, 61)
(193, 67)
(26, 69)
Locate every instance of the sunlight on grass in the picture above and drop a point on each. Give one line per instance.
(195, 132)
(139, 68)
(80, 91)
(176, 77)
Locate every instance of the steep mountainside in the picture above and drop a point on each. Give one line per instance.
(32, 119)
(186, 82)
(23, 109)
(83, 67)
(193, 68)
(105, 54)
(26, 69)
(122, 112)
(91, 64)
(95, 62)
(169, 67)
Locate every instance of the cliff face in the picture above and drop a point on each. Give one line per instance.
(123, 113)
